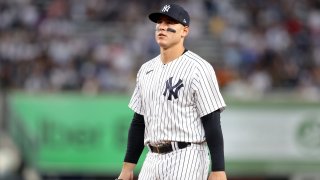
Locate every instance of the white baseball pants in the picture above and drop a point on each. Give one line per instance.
(190, 163)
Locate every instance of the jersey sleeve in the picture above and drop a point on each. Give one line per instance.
(136, 100)
(206, 90)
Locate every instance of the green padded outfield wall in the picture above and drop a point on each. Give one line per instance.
(69, 133)
(73, 133)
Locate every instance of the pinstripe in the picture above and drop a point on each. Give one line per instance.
(195, 170)
(179, 165)
(146, 172)
(188, 165)
(184, 164)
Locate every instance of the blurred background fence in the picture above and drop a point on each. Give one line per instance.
(68, 68)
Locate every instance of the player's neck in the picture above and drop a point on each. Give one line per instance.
(170, 54)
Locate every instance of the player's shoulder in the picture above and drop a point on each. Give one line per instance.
(196, 60)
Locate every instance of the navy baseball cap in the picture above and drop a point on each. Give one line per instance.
(173, 11)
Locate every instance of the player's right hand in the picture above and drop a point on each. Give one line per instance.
(127, 171)
(126, 175)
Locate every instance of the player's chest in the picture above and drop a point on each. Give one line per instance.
(165, 82)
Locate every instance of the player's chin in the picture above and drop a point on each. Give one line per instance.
(162, 43)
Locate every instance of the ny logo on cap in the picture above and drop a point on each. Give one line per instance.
(165, 8)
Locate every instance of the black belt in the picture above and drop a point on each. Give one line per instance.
(167, 148)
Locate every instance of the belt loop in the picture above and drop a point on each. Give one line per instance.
(158, 150)
(174, 145)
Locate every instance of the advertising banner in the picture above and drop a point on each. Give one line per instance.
(72, 133)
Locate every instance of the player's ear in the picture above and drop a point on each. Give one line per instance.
(185, 31)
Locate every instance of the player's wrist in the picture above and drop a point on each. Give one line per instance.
(127, 166)
(221, 175)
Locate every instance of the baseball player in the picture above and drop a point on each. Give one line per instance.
(177, 105)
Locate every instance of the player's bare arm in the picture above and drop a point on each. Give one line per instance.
(127, 171)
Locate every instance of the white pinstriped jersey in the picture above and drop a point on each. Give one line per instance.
(172, 97)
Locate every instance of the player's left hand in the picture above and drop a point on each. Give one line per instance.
(217, 175)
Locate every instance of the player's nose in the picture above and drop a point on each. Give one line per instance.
(161, 28)
(162, 25)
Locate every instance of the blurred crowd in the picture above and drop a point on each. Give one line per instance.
(57, 45)
(97, 46)
(269, 45)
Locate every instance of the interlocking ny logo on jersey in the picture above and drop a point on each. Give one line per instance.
(165, 8)
(173, 90)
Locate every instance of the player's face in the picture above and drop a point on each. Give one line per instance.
(167, 39)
